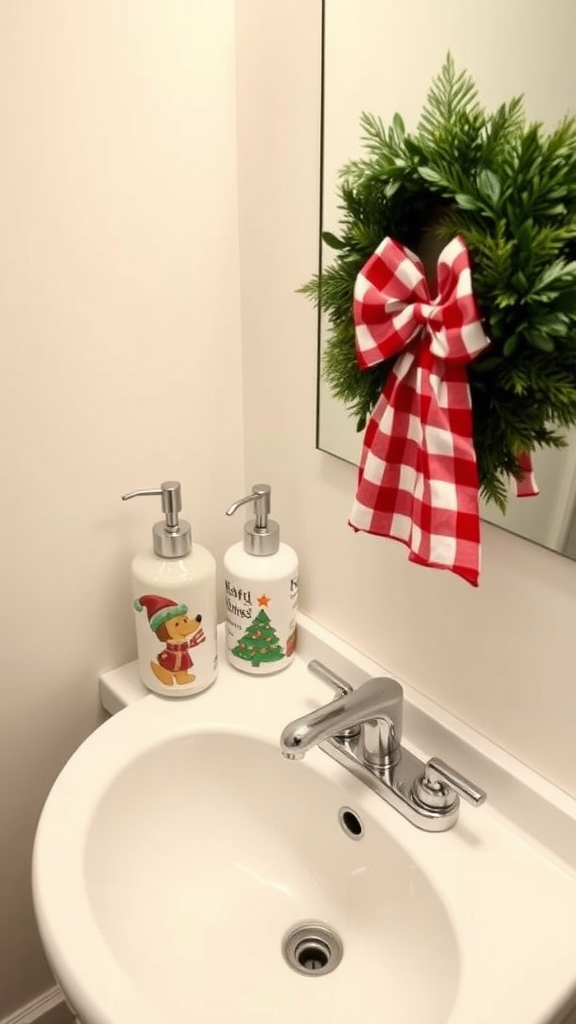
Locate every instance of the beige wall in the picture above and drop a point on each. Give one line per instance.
(500, 657)
(121, 361)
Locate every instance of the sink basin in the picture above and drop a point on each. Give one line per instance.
(208, 849)
(178, 850)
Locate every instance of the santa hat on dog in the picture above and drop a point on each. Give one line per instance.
(159, 609)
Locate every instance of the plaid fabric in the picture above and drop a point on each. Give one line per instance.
(418, 479)
(526, 486)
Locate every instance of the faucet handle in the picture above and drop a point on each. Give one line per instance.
(336, 682)
(342, 688)
(437, 787)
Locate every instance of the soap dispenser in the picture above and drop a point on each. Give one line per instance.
(174, 596)
(261, 583)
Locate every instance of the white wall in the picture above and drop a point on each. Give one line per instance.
(500, 657)
(121, 362)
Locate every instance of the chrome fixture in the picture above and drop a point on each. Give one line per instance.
(362, 730)
(312, 948)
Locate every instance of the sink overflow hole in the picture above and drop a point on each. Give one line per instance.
(350, 823)
(312, 949)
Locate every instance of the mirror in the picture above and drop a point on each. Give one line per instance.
(380, 57)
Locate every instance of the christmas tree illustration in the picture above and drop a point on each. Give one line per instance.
(260, 642)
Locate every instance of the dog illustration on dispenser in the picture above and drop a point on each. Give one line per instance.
(178, 631)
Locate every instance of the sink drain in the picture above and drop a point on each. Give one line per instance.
(311, 948)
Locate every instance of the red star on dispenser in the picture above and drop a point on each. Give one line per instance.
(263, 601)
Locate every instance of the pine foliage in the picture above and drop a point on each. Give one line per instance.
(509, 189)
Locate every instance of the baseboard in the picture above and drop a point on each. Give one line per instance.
(49, 1008)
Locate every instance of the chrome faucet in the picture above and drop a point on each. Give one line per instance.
(362, 730)
(376, 706)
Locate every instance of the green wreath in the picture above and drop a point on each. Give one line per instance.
(509, 189)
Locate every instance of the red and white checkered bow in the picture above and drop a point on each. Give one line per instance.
(418, 479)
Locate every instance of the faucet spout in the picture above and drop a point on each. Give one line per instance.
(376, 704)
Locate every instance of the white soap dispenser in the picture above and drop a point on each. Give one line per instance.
(174, 595)
(261, 581)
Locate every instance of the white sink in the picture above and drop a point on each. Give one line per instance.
(207, 849)
(178, 848)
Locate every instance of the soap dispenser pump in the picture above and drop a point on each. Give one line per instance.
(174, 599)
(261, 582)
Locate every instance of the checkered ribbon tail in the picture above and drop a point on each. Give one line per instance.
(526, 486)
(418, 478)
